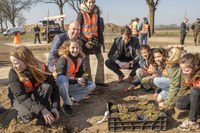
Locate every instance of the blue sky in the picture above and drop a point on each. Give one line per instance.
(120, 12)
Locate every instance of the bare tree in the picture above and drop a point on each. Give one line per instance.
(75, 4)
(60, 4)
(20, 20)
(13, 8)
(152, 8)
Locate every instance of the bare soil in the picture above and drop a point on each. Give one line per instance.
(90, 110)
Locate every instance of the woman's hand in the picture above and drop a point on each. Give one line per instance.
(55, 113)
(81, 82)
(48, 117)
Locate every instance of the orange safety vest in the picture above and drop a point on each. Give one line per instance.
(29, 86)
(134, 29)
(89, 28)
(151, 70)
(164, 73)
(145, 28)
(196, 83)
(71, 69)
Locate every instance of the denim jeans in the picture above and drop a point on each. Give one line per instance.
(143, 40)
(74, 90)
(190, 102)
(162, 83)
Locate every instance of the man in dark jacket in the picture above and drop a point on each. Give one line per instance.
(184, 30)
(37, 33)
(73, 32)
(124, 54)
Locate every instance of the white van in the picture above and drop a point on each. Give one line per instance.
(13, 30)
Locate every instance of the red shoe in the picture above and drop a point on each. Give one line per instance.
(121, 78)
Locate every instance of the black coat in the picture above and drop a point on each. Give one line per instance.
(117, 47)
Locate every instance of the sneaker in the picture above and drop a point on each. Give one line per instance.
(188, 125)
(23, 120)
(67, 110)
(121, 78)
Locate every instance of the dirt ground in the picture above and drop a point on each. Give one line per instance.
(91, 109)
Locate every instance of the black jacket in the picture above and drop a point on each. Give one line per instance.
(117, 47)
(18, 92)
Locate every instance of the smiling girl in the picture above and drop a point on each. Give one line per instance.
(69, 71)
(190, 66)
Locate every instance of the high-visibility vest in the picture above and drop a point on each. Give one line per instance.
(89, 28)
(145, 28)
(151, 69)
(194, 84)
(71, 69)
(134, 29)
(164, 73)
(29, 87)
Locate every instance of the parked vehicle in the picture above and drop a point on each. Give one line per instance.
(51, 27)
(13, 30)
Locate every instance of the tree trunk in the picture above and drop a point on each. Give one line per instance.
(152, 19)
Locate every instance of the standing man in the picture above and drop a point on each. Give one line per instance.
(124, 54)
(184, 30)
(196, 29)
(144, 31)
(72, 33)
(37, 33)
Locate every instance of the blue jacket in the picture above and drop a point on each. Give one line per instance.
(53, 53)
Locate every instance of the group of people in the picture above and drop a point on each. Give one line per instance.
(195, 27)
(140, 30)
(35, 88)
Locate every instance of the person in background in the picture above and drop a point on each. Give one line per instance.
(183, 31)
(72, 33)
(37, 33)
(144, 31)
(190, 66)
(32, 88)
(124, 54)
(135, 27)
(92, 37)
(196, 30)
(70, 76)
(44, 32)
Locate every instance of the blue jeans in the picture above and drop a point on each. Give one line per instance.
(74, 90)
(163, 84)
(143, 40)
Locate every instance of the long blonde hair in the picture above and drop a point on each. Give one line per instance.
(33, 65)
(64, 49)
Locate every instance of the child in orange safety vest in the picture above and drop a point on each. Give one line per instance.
(70, 78)
(190, 66)
(32, 88)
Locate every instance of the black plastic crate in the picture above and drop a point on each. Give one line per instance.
(117, 125)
